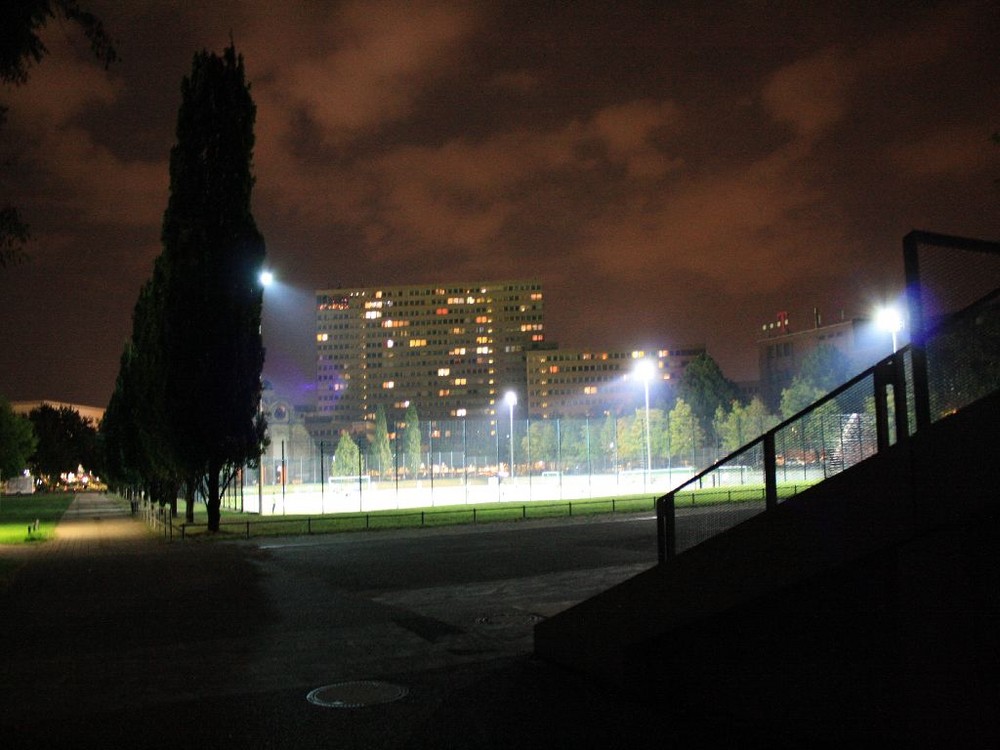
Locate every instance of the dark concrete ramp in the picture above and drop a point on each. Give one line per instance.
(865, 608)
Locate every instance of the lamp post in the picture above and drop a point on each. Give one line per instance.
(511, 398)
(644, 369)
(889, 319)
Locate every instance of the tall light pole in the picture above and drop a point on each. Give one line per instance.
(889, 319)
(511, 398)
(644, 369)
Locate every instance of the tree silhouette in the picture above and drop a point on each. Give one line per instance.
(17, 441)
(212, 257)
(380, 443)
(704, 388)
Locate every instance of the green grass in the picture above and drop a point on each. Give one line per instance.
(18, 511)
(234, 524)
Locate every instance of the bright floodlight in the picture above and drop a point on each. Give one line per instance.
(644, 369)
(266, 278)
(510, 398)
(889, 319)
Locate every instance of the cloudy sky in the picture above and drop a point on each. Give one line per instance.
(675, 173)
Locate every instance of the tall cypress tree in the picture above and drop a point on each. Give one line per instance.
(212, 257)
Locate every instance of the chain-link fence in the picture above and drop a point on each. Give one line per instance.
(953, 360)
(466, 461)
(953, 287)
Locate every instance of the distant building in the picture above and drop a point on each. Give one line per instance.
(576, 383)
(781, 349)
(450, 350)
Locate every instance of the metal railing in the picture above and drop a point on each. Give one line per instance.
(952, 361)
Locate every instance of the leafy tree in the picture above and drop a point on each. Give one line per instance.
(575, 442)
(380, 445)
(345, 459)
(66, 441)
(21, 21)
(541, 443)
(742, 424)
(704, 388)
(800, 394)
(607, 439)
(135, 427)
(17, 441)
(212, 256)
(686, 435)
(825, 368)
(411, 440)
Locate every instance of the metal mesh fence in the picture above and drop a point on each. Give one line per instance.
(954, 360)
(465, 461)
(953, 283)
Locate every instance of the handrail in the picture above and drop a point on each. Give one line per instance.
(904, 371)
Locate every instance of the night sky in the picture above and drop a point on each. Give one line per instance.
(675, 173)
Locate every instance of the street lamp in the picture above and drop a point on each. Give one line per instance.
(511, 398)
(889, 319)
(266, 278)
(644, 369)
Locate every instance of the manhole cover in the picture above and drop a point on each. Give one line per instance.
(356, 694)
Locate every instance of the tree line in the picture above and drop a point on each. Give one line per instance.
(703, 415)
(185, 413)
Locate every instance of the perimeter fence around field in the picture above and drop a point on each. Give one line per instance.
(468, 461)
(953, 300)
(256, 526)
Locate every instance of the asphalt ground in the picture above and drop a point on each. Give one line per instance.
(112, 636)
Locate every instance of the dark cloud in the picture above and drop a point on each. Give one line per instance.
(673, 172)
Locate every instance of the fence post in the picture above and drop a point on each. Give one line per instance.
(882, 377)
(666, 531)
(770, 473)
(899, 398)
(918, 338)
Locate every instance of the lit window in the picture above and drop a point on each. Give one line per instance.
(322, 336)
(590, 390)
(389, 384)
(373, 314)
(444, 372)
(418, 342)
(460, 381)
(442, 311)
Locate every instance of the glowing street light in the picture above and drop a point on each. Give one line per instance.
(511, 398)
(889, 319)
(266, 278)
(644, 369)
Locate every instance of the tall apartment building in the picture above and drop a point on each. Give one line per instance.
(575, 383)
(450, 350)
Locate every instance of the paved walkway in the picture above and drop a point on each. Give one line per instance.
(113, 637)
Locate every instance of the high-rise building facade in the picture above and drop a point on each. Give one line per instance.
(575, 383)
(449, 350)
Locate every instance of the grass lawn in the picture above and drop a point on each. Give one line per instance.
(234, 524)
(17, 512)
